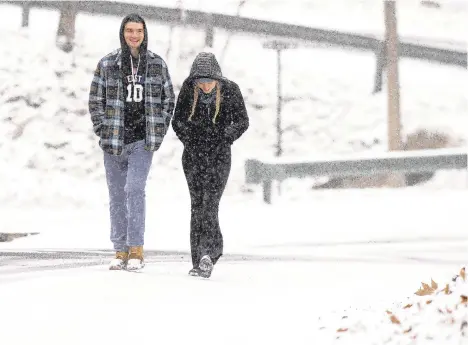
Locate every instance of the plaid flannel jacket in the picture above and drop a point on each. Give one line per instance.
(106, 102)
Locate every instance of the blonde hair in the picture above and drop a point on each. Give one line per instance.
(196, 91)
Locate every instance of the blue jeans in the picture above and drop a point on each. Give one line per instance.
(126, 180)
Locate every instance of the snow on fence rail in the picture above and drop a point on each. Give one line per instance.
(408, 47)
(264, 172)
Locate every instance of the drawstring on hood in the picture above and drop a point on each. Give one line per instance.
(205, 65)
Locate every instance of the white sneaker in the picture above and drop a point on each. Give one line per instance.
(206, 266)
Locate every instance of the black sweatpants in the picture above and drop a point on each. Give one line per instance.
(206, 175)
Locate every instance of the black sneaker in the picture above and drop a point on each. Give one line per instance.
(194, 272)
(206, 266)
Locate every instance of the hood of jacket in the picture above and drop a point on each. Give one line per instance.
(205, 65)
(135, 18)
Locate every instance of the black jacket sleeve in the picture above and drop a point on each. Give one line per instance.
(180, 121)
(240, 119)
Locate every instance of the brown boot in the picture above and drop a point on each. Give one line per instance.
(119, 262)
(135, 258)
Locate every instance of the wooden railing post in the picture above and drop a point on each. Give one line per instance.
(381, 62)
(267, 191)
(66, 28)
(25, 16)
(209, 33)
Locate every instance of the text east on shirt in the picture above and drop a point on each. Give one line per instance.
(135, 124)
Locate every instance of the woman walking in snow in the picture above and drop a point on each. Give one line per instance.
(210, 115)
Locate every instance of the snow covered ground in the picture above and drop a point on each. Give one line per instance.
(307, 265)
(311, 258)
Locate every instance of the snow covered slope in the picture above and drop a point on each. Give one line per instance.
(328, 108)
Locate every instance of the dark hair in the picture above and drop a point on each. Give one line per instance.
(134, 18)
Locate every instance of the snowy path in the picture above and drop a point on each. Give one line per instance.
(418, 251)
(18, 262)
(249, 300)
(284, 268)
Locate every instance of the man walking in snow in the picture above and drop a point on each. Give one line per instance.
(131, 102)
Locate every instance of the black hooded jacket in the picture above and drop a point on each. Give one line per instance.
(203, 131)
(135, 127)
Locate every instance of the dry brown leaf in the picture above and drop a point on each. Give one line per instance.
(342, 330)
(429, 301)
(388, 312)
(394, 319)
(447, 289)
(424, 292)
(434, 285)
(420, 292)
(426, 286)
(407, 306)
(464, 299)
(462, 273)
(408, 330)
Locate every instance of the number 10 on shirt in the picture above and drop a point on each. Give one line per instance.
(134, 93)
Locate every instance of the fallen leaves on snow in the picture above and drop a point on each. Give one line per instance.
(438, 315)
